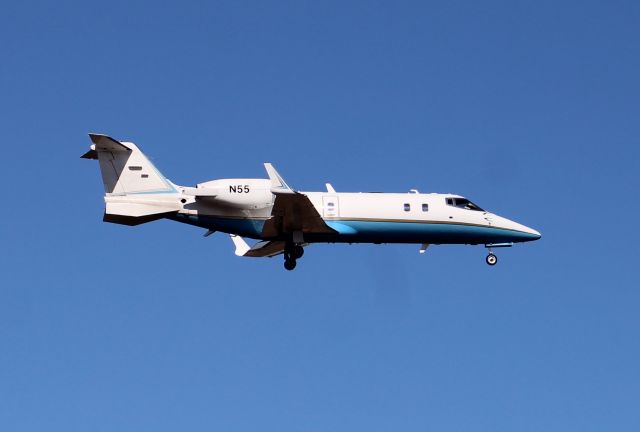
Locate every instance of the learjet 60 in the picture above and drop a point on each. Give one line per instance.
(285, 220)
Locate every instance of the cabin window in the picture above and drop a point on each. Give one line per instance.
(144, 175)
(135, 168)
(330, 204)
(425, 207)
(407, 207)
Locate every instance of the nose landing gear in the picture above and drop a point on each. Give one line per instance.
(491, 258)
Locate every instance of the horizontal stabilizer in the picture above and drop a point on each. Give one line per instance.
(91, 154)
(106, 143)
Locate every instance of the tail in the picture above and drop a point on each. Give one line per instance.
(135, 191)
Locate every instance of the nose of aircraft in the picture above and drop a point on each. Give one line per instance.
(535, 235)
(520, 232)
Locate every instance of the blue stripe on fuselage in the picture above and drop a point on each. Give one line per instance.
(421, 232)
(372, 231)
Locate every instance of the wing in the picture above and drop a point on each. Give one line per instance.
(292, 211)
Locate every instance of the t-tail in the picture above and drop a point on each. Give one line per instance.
(135, 191)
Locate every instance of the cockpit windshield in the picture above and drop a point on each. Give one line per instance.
(463, 203)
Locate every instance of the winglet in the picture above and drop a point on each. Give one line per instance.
(277, 182)
(241, 246)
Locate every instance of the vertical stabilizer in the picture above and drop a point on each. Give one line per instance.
(135, 191)
(125, 169)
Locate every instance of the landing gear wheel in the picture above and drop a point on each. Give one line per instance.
(492, 259)
(290, 264)
(298, 251)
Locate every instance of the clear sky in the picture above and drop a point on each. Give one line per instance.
(529, 108)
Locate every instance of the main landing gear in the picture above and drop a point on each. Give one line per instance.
(291, 253)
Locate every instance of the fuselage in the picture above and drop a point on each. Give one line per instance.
(365, 218)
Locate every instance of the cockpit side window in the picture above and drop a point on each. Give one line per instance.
(463, 203)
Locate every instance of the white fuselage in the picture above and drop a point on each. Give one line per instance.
(242, 205)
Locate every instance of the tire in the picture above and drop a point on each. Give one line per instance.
(298, 251)
(492, 259)
(290, 264)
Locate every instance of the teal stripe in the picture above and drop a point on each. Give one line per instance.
(428, 232)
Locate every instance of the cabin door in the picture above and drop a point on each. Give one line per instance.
(330, 207)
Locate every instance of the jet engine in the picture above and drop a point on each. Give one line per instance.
(236, 193)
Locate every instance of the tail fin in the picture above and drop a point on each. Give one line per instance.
(135, 191)
(125, 169)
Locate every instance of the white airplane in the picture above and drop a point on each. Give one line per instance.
(285, 220)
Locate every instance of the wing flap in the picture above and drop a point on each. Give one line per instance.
(266, 249)
(258, 250)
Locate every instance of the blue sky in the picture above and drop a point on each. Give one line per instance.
(528, 108)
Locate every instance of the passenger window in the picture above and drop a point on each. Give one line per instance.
(425, 207)
(407, 207)
(135, 168)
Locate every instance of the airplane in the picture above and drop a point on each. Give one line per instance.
(285, 220)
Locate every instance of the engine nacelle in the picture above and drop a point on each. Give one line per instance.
(240, 193)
